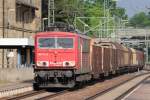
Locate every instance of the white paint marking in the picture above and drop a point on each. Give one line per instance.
(132, 92)
(14, 92)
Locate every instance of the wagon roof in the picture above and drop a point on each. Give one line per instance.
(106, 45)
(136, 51)
(133, 50)
(115, 45)
(118, 45)
(125, 48)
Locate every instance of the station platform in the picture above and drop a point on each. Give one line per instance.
(142, 92)
(12, 86)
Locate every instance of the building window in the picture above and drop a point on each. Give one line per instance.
(9, 50)
(24, 12)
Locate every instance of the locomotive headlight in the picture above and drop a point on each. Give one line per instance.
(72, 63)
(43, 63)
(69, 63)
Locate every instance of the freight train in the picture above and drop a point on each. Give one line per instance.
(64, 59)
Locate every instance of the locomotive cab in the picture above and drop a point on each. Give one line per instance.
(52, 52)
(55, 58)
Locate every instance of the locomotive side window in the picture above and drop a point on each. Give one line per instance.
(79, 43)
(64, 43)
(86, 45)
(46, 43)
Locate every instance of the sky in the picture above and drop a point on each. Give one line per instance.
(134, 6)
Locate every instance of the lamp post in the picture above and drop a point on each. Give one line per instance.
(146, 46)
(43, 23)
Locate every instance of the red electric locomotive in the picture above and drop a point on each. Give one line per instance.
(61, 59)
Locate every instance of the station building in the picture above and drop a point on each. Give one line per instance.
(20, 20)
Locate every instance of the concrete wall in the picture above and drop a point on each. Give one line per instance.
(16, 75)
(14, 25)
(14, 28)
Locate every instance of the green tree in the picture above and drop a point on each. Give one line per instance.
(66, 10)
(140, 20)
(95, 8)
(119, 12)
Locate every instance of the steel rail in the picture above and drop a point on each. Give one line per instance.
(53, 95)
(131, 89)
(25, 95)
(116, 86)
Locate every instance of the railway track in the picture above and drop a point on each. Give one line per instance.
(53, 95)
(10, 91)
(35, 95)
(24, 95)
(131, 89)
(80, 94)
(103, 88)
(99, 94)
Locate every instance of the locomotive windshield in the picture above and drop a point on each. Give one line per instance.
(46, 43)
(55, 43)
(64, 43)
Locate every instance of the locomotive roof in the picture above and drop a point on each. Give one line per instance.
(61, 33)
(53, 33)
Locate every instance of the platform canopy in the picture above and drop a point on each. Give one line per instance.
(16, 42)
